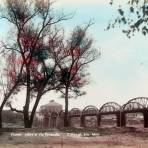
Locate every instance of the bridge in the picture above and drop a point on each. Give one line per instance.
(135, 105)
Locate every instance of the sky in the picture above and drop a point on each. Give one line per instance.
(120, 74)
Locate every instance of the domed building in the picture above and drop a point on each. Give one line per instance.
(50, 114)
(52, 106)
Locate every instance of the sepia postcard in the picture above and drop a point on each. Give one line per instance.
(73, 73)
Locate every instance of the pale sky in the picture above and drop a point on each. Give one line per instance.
(122, 71)
(78, 2)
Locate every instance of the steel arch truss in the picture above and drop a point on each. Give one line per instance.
(141, 100)
(75, 112)
(90, 111)
(109, 108)
(132, 106)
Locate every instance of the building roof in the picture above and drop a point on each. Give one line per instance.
(51, 103)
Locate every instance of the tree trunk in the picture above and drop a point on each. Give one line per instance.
(27, 103)
(26, 118)
(66, 124)
(35, 107)
(6, 97)
(1, 119)
(1, 110)
(27, 124)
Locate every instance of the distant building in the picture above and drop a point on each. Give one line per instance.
(52, 106)
(49, 115)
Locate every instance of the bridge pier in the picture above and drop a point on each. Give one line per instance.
(69, 121)
(122, 119)
(83, 121)
(99, 120)
(145, 116)
(118, 119)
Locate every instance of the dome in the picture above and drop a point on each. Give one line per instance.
(52, 106)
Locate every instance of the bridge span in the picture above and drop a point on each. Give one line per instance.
(135, 105)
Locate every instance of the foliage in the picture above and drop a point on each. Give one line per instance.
(134, 17)
(46, 59)
(33, 23)
(73, 60)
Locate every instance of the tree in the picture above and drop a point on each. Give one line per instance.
(34, 24)
(8, 87)
(50, 62)
(134, 17)
(73, 62)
